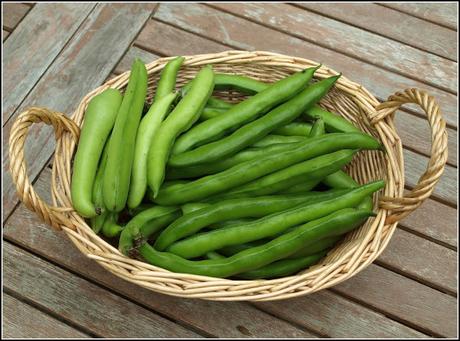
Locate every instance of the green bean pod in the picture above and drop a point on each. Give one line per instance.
(167, 82)
(243, 84)
(283, 267)
(180, 119)
(294, 129)
(221, 165)
(229, 209)
(272, 139)
(111, 228)
(269, 225)
(100, 117)
(318, 128)
(141, 225)
(193, 206)
(313, 169)
(255, 130)
(98, 221)
(301, 187)
(217, 103)
(121, 150)
(245, 111)
(252, 169)
(279, 248)
(208, 113)
(148, 127)
(333, 123)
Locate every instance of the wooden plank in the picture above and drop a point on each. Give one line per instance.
(127, 60)
(343, 38)
(13, 14)
(415, 134)
(444, 14)
(241, 34)
(435, 220)
(5, 35)
(32, 42)
(24, 228)
(403, 299)
(21, 320)
(415, 165)
(422, 260)
(81, 302)
(83, 65)
(157, 36)
(392, 24)
(337, 317)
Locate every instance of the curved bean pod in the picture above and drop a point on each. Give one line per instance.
(269, 225)
(148, 127)
(279, 248)
(245, 111)
(249, 170)
(180, 119)
(234, 209)
(99, 120)
(255, 130)
(121, 149)
(168, 75)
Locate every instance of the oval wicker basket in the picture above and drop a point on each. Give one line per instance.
(356, 251)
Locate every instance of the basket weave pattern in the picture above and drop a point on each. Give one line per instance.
(356, 251)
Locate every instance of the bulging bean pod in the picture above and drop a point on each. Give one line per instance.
(148, 127)
(283, 267)
(245, 111)
(223, 210)
(99, 120)
(179, 120)
(255, 130)
(144, 224)
(111, 228)
(167, 82)
(336, 223)
(252, 169)
(121, 149)
(270, 225)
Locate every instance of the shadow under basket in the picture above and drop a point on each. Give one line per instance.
(356, 250)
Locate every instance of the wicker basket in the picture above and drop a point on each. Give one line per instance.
(357, 250)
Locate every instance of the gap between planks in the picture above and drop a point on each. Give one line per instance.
(325, 46)
(48, 312)
(37, 254)
(343, 21)
(408, 12)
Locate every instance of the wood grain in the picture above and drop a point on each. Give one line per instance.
(128, 58)
(404, 299)
(422, 260)
(440, 13)
(13, 13)
(237, 33)
(32, 42)
(81, 302)
(24, 228)
(343, 38)
(5, 34)
(392, 24)
(246, 321)
(83, 65)
(337, 317)
(157, 36)
(435, 220)
(21, 320)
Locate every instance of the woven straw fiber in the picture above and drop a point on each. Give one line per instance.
(357, 250)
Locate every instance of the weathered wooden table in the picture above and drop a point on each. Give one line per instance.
(56, 53)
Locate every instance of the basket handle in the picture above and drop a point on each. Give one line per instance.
(52, 215)
(402, 206)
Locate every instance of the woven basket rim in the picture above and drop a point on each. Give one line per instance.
(355, 257)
